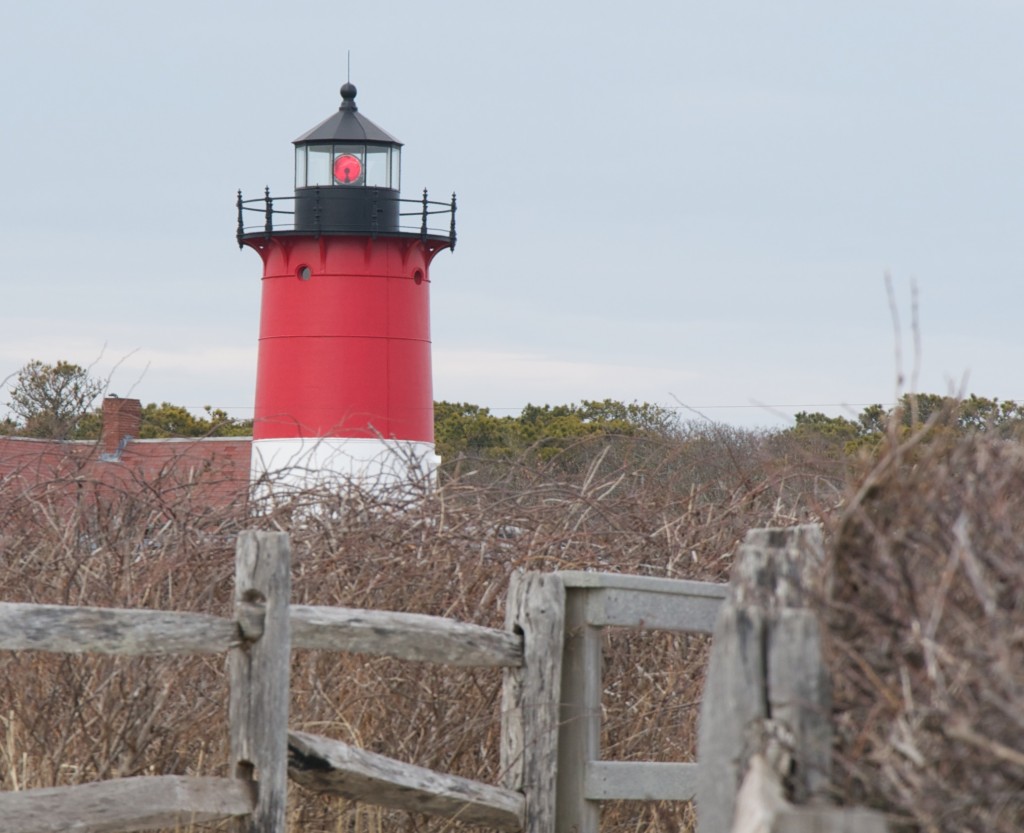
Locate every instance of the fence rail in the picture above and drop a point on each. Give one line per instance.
(143, 803)
(102, 630)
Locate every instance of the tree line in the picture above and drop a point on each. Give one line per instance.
(58, 401)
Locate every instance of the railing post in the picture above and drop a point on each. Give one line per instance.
(423, 223)
(258, 670)
(316, 211)
(451, 233)
(374, 214)
(530, 696)
(241, 226)
(268, 227)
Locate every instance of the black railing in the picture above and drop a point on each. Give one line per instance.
(319, 211)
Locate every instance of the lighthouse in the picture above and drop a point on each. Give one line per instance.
(343, 381)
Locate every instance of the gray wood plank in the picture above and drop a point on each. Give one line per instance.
(530, 696)
(829, 820)
(335, 768)
(580, 733)
(646, 584)
(778, 568)
(259, 678)
(647, 602)
(123, 804)
(641, 781)
(734, 698)
(766, 694)
(759, 800)
(629, 608)
(104, 630)
(761, 807)
(408, 636)
(800, 699)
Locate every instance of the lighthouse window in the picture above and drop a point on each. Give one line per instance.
(377, 167)
(318, 165)
(300, 167)
(396, 180)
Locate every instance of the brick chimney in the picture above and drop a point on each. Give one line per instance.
(122, 420)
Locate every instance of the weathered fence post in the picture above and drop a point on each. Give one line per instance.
(259, 669)
(531, 694)
(581, 719)
(765, 723)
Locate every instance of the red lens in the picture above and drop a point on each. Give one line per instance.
(347, 169)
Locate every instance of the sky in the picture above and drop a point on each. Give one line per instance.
(686, 203)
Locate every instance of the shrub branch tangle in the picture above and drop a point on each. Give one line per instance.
(928, 631)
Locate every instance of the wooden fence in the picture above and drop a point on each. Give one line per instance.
(765, 731)
(553, 777)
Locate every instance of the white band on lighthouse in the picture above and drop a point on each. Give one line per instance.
(314, 462)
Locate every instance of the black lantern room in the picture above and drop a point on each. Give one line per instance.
(347, 172)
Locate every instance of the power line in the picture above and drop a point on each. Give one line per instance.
(759, 406)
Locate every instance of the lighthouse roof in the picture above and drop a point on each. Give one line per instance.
(347, 125)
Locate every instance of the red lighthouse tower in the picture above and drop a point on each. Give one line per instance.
(343, 383)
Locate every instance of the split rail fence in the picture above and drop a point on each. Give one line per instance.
(765, 732)
(550, 650)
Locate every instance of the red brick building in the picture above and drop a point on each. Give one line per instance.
(208, 472)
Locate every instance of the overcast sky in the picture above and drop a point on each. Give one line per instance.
(691, 203)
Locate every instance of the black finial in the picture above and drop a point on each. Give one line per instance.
(348, 96)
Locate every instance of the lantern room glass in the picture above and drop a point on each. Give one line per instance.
(377, 167)
(381, 165)
(300, 167)
(318, 165)
(396, 180)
